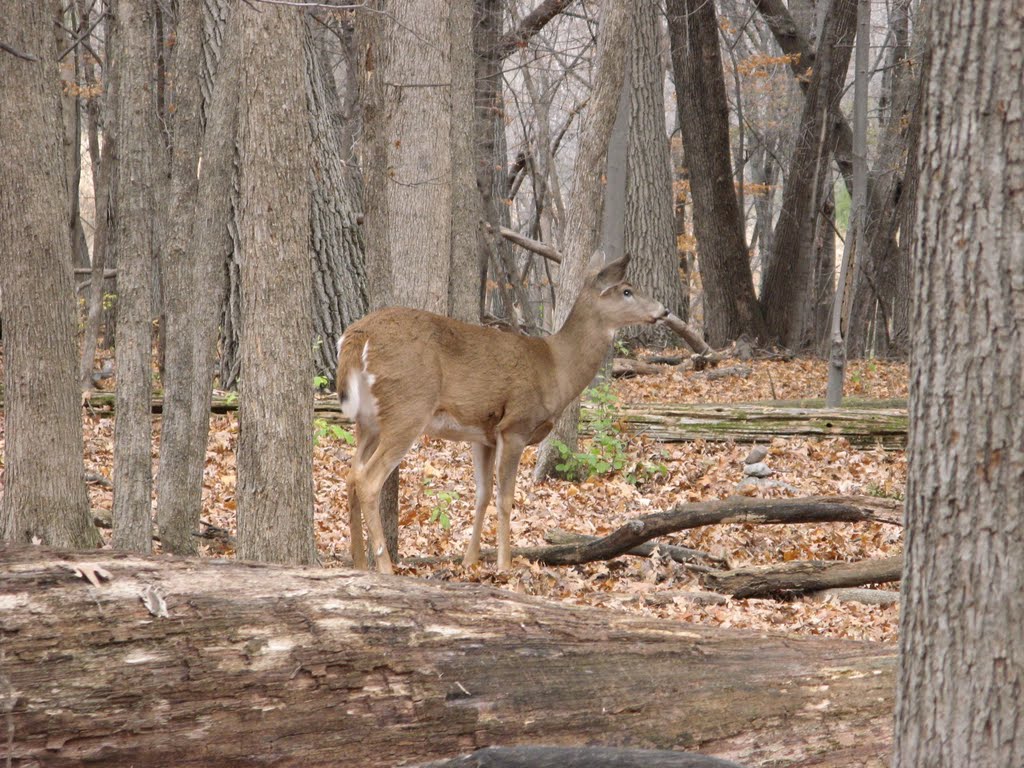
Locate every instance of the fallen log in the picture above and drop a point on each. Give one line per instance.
(673, 423)
(798, 577)
(738, 509)
(120, 660)
(681, 422)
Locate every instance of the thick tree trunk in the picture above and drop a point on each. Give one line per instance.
(649, 225)
(230, 664)
(136, 139)
(583, 224)
(962, 649)
(275, 446)
(44, 484)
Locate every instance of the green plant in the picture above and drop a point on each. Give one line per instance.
(605, 453)
(320, 382)
(879, 491)
(443, 500)
(231, 397)
(323, 429)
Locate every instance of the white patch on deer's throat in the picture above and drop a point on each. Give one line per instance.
(341, 340)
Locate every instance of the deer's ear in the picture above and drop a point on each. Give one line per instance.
(612, 273)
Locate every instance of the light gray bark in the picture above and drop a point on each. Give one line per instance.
(275, 446)
(961, 645)
(136, 137)
(182, 438)
(649, 224)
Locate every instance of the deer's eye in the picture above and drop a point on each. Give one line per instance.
(628, 292)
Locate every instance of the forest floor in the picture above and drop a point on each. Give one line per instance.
(437, 503)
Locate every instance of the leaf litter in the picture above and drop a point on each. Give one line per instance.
(653, 586)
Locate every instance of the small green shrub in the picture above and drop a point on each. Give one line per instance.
(605, 453)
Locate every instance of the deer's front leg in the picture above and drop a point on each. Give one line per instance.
(483, 473)
(510, 450)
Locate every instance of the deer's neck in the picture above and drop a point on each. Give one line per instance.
(579, 348)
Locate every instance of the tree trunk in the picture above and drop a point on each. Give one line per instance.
(292, 666)
(134, 57)
(275, 446)
(882, 273)
(731, 308)
(177, 512)
(787, 293)
(650, 227)
(583, 224)
(336, 243)
(962, 651)
(44, 483)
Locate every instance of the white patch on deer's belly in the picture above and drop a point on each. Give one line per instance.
(444, 425)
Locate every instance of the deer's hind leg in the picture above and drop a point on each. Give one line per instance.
(483, 473)
(366, 444)
(392, 443)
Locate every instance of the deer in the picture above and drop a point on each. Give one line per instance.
(403, 373)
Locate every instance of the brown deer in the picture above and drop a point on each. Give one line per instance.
(404, 372)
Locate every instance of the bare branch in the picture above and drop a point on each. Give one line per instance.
(19, 54)
(531, 24)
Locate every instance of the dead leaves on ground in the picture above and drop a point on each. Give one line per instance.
(653, 586)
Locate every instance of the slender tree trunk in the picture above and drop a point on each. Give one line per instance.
(650, 228)
(961, 646)
(785, 300)
(44, 483)
(275, 447)
(177, 512)
(136, 132)
(731, 308)
(583, 224)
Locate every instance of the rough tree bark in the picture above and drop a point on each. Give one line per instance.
(649, 224)
(44, 483)
(134, 55)
(295, 666)
(583, 221)
(961, 645)
(275, 446)
(731, 308)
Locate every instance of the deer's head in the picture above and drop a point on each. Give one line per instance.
(614, 299)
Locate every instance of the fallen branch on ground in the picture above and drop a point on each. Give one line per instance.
(741, 509)
(802, 576)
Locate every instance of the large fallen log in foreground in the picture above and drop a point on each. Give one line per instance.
(176, 662)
